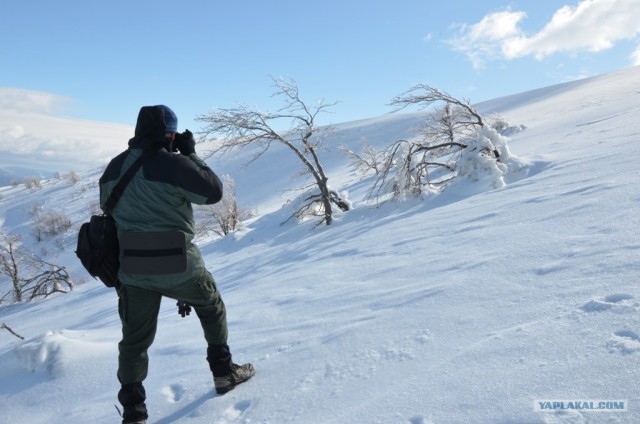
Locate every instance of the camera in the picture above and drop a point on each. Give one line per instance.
(184, 143)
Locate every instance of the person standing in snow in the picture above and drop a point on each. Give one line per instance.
(156, 228)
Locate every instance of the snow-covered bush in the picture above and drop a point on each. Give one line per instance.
(503, 127)
(454, 145)
(310, 204)
(49, 224)
(32, 182)
(223, 217)
(481, 160)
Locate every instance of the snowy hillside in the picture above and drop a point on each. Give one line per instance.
(34, 143)
(459, 309)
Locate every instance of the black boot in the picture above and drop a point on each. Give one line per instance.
(226, 374)
(132, 397)
(219, 358)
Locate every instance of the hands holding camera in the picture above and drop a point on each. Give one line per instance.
(184, 143)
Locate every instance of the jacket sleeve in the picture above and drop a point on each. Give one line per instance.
(199, 183)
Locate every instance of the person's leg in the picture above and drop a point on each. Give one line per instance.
(205, 299)
(132, 397)
(138, 309)
(203, 296)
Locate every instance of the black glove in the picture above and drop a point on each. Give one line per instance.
(185, 143)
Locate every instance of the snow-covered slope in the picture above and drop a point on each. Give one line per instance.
(459, 309)
(34, 143)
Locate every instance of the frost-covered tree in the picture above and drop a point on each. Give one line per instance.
(243, 126)
(225, 216)
(432, 160)
(30, 276)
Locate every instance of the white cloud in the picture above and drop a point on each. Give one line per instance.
(482, 41)
(30, 127)
(635, 56)
(21, 100)
(592, 25)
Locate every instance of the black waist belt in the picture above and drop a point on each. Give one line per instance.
(152, 253)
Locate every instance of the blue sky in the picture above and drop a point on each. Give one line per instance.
(103, 60)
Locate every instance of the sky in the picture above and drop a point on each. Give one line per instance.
(102, 61)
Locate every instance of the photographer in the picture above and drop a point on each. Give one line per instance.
(158, 258)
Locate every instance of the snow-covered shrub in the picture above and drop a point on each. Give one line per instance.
(480, 161)
(32, 182)
(486, 162)
(454, 146)
(223, 217)
(311, 204)
(503, 127)
(49, 224)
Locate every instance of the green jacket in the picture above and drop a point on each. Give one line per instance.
(158, 199)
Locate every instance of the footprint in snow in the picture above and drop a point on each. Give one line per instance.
(618, 302)
(174, 392)
(424, 336)
(626, 342)
(235, 412)
(564, 417)
(418, 419)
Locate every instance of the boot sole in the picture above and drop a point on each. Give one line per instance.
(227, 389)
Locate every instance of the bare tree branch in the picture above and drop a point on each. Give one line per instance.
(424, 96)
(6, 327)
(242, 127)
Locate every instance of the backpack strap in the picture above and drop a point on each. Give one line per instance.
(118, 190)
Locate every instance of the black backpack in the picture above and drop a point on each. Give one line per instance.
(98, 247)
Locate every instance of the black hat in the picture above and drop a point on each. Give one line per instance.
(170, 119)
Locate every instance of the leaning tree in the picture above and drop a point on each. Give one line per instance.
(243, 126)
(410, 166)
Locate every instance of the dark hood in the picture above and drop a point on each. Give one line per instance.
(150, 127)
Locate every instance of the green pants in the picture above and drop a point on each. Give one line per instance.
(139, 308)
